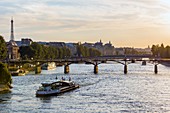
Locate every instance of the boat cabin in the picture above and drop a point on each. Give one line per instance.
(58, 84)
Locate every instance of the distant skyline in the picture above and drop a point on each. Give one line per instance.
(132, 23)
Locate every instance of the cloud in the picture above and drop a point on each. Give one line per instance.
(61, 16)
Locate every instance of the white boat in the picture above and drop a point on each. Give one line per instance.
(56, 88)
(48, 66)
(19, 72)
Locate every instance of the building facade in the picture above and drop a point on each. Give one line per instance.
(26, 42)
(108, 49)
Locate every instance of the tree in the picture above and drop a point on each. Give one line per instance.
(38, 50)
(167, 52)
(68, 52)
(155, 50)
(85, 52)
(5, 76)
(60, 53)
(94, 52)
(79, 50)
(3, 48)
(162, 51)
(27, 52)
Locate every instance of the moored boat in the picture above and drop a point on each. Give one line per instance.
(56, 88)
(48, 66)
(19, 72)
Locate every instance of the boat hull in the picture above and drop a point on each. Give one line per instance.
(55, 93)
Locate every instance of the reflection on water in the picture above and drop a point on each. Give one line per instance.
(5, 101)
(109, 91)
(45, 99)
(5, 96)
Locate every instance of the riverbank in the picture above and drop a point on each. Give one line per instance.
(5, 78)
(5, 87)
(20, 71)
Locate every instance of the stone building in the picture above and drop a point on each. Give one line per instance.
(88, 45)
(13, 50)
(108, 49)
(73, 48)
(99, 46)
(26, 42)
(57, 44)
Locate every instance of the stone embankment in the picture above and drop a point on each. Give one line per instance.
(5, 87)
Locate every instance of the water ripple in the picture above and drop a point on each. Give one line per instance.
(109, 91)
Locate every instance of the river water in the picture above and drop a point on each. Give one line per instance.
(109, 91)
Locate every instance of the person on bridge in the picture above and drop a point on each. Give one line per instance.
(63, 78)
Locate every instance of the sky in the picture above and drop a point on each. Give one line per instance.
(130, 23)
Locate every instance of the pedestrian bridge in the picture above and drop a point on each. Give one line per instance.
(121, 59)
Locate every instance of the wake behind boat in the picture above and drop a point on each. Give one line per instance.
(56, 88)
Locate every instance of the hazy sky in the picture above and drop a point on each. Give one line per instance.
(134, 23)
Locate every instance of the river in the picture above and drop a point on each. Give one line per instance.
(108, 91)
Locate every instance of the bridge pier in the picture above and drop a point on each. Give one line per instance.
(95, 69)
(37, 69)
(156, 68)
(66, 69)
(125, 69)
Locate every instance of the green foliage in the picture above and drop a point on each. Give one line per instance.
(60, 53)
(3, 48)
(155, 50)
(161, 51)
(26, 52)
(131, 51)
(80, 50)
(50, 53)
(85, 52)
(5, 76)
(94, 52)
(38, 51)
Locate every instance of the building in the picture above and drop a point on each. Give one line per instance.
(12, 47)
(88, 45)
(108, 49)
(26, 42)
(18, 43)
(57, 44)
(119, 51)
(99, 46)
(145, 51)
(73, 48)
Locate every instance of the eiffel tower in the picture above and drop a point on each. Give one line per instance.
(13, 49)
(12, 30)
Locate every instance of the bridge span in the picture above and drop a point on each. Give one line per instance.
(121, 59)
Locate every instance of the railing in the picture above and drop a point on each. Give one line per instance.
(97, 60)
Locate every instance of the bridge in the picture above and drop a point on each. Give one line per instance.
(121, 59)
